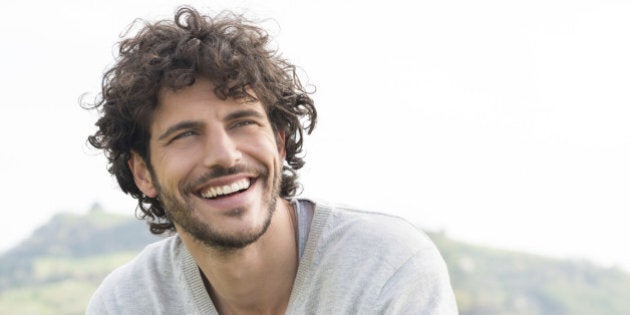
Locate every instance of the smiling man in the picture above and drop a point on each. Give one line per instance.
(215, 164)
(202, 123)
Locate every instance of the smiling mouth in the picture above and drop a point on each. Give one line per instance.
(214, 192)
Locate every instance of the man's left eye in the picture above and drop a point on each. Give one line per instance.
(244, 123)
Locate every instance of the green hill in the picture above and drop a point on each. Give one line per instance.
(493, 281)
(56, 270)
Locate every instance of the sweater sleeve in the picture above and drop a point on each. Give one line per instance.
(420, 286)
(96, 306)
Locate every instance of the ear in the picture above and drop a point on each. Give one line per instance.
(281, 144)
(141, 175)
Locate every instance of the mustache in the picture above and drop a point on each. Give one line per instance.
(219, 171)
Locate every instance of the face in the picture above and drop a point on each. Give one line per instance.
(214, 164)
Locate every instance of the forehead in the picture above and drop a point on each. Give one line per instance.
(199, 94)
(196, 102)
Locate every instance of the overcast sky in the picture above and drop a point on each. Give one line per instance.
(501, 122)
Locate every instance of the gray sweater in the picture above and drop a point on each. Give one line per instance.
(351, 262)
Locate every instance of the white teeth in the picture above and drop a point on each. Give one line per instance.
(212, 192)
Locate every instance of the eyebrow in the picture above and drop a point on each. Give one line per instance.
(245, 113)
(186, 124)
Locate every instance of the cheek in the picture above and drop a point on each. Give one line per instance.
(173, 166)
(267, 149)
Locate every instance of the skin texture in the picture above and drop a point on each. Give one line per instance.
(199, 141)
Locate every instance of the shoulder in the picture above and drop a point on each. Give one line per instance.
(389, 237)
(372, 262)
(138, 281)
(154, 257)
(389, 241)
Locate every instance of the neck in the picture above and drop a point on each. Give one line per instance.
(257, 278)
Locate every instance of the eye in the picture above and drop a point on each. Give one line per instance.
(184, 134)
(243, 123)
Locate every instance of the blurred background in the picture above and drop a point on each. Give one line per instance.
(496, 125)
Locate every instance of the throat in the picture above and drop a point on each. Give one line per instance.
(252, 300)
(258, 278)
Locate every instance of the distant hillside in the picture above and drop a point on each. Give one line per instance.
(56, 270)
(492, 281)
(71, 236)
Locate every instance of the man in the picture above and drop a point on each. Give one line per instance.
(203, 125)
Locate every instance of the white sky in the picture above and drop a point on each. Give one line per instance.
(501, 122)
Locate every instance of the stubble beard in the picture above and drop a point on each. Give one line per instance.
(181, 212)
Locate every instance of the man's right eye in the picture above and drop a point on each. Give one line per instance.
(183, 135)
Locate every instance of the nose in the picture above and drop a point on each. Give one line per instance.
(221, 149)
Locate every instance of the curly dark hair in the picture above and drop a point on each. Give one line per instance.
(227, 49)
